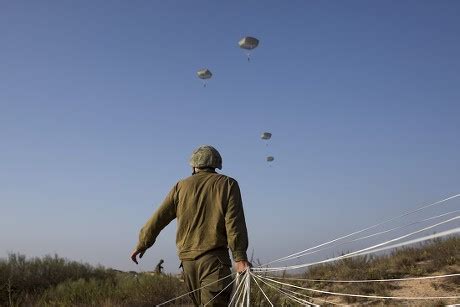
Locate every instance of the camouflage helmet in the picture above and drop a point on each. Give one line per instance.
(206, 156)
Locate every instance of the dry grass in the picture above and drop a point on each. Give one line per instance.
(433, 258)
(53, 281)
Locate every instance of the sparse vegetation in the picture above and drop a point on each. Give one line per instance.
(433, 258)
(54, 281)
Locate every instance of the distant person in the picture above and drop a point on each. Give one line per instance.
(159, 267)
(210, 219)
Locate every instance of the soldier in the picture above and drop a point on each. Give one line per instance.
(159, 267)
(210, 219)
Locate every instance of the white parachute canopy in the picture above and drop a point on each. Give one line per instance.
(248, 43)
(204, 74)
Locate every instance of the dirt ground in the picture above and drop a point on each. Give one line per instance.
(412, 288)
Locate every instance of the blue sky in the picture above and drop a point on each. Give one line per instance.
(100, 109)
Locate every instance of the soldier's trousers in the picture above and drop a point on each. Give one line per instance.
(208, 269)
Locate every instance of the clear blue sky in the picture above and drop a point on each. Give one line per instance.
(100, 109)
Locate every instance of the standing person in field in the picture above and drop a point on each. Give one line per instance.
(159, 267)
(210, 220)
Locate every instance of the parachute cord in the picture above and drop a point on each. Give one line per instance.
(362, 230)
(360, 295)
(370, 250)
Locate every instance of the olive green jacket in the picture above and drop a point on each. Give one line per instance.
(209, 213)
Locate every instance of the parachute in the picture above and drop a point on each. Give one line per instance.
(266, 136)
(248, 43)
(204, 74)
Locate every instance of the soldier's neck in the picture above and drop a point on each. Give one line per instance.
(206, 170)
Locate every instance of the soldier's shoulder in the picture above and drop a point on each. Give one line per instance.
(218, 178)
(185, 180)
(226, 178)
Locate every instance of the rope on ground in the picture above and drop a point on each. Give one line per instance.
(371, 249)
(363, 230)
(288, 295)
(310, 297)
(180, 296)
(361, 295)
(364, 280)
(301, 294)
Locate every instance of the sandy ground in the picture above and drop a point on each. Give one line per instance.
(414, 288)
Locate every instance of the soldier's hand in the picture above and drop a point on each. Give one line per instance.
(135, 253)
(241, 266)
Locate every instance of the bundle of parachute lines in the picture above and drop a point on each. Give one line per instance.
(415, 226)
